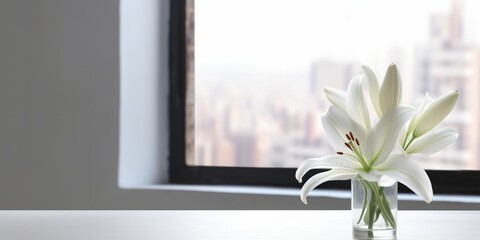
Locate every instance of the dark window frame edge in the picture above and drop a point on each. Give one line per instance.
(464, 182)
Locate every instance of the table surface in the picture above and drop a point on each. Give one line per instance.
(159, 225)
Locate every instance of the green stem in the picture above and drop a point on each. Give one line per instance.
(359, 155)
(384, 206)
(365, 198)
(378, 202)
(385, 203)
(371, 212)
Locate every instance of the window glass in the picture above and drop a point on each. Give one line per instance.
(260, 67)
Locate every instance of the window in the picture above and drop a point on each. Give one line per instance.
(208, 149)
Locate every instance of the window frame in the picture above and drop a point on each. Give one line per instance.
(462, 182)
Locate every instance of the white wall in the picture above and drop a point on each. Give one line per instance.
(143, 92)
(59, 117)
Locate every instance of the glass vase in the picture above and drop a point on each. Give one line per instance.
(374, 210)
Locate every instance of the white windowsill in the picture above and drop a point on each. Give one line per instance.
(342, 194)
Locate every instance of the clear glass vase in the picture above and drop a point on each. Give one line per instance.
(374, 210)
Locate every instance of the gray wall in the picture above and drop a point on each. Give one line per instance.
(59, 117)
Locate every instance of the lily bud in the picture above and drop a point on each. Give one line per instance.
(391, 90)
(435, 113)
(413, 123)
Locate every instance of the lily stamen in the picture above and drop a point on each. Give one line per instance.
(349, 147)
(348, 137)
(353, 144)
(340, 153)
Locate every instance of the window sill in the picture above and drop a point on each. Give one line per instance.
(340, 194)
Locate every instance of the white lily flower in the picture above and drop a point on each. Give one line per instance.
(365, 153)
(365, 150)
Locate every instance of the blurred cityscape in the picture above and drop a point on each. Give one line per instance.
(257, 124)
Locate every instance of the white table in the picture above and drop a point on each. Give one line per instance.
(212, 225)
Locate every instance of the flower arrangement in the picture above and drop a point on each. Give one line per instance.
(379, 153)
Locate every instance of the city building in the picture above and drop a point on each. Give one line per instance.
(445, 63)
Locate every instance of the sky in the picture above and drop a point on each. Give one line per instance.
(288, 35)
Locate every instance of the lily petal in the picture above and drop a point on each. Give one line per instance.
(370, 176)
(356, 105)
(373, 89)
(402, 138)
(336, 124)
(382, 139)
(333, 135)
(386, 181)
(334, 174)
(333, 161)
(405, 170)
(391, 90)
(433, 142)
(336, 97)
(435, 113)
(413, 123)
